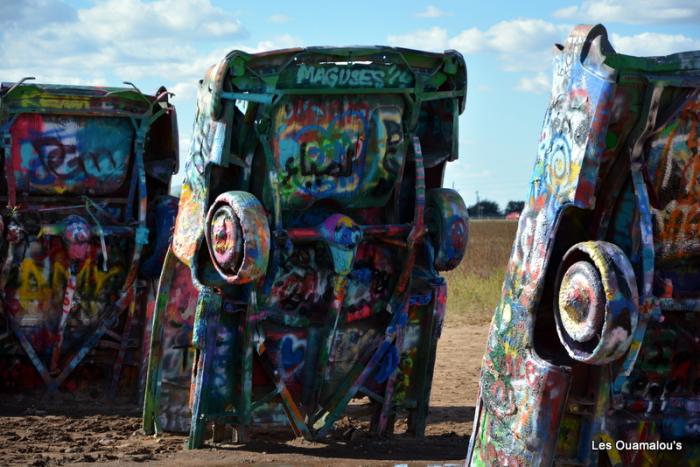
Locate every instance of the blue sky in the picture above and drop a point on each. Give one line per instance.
(507, 47)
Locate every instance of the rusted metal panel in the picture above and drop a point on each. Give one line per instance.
(314, 226)
(78, 187)
(593, 341)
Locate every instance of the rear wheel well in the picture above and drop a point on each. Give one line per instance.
(572, 226)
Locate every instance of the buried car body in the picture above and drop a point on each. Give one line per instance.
(85, 179)
(592, 355)
(311, 229)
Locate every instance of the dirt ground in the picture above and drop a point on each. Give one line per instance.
(63, 432)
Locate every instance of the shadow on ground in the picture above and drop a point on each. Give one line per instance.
(46, 432)
(433, 448)
(352, 441)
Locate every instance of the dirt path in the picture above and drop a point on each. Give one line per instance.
(64, 433)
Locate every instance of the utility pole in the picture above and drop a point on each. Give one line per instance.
(478, 205)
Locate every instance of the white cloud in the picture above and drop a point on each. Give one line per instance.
(185, 90)
(138, 19)
(469, 41)
(151, 40)
(526, 44)
(651, 43)
(278, 18)
(431, 12)
(538, 84)
(522, 35)
(569, 12)
(633, 11)
(285, 41)
(521, 44)
(434, 39)
(187, 69)
(512, 36)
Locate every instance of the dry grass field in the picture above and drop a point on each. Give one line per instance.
(474, 287)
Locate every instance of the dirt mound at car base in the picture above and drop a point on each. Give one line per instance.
(68, 431)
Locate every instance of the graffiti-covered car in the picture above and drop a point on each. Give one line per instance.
(85, 177)
(593, 354)
(311, 229)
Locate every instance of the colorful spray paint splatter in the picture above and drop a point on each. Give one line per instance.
(602, 272)
(316, 279)
(76, 193)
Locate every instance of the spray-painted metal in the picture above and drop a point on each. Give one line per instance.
(311, 226)
(85, 172)
(593, 353)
